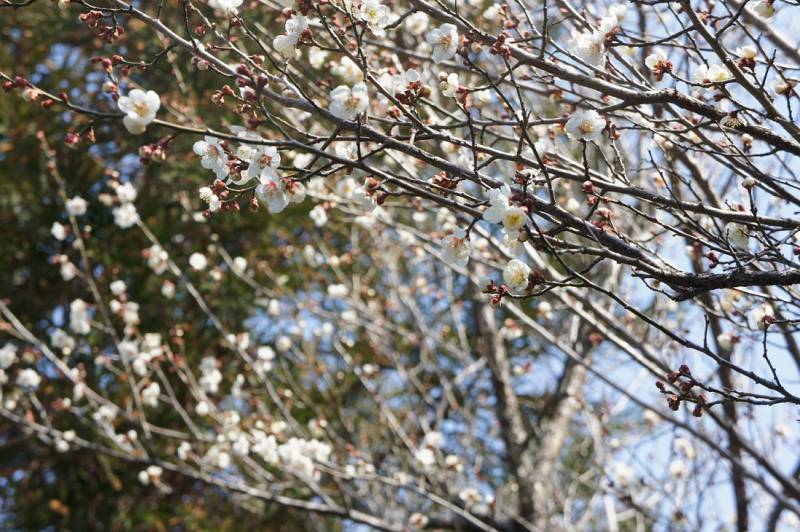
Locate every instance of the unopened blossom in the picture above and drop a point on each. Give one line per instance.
(585, 125)
(416, 23)
(140, 109)
(456, 248)
(375, 14)
(212, 156)
(28, 379)
(126, 215)
(449, 86)
(347, 103)
(515, 276)
(76, 206)
(198, 261)
(444, 42)
(59, 231)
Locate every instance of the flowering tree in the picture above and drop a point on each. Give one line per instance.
(406, 265)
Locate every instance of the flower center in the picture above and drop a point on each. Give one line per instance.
(586, 127)
(141, 108)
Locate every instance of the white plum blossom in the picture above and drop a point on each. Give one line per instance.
(652, 60)
(444, 41)
(264, 357)
(212, 156)
(126, 193)
(449, 86)
(264, 162)
(416, 23)
(76, 206)
(590, 45)
(298, 456)
(210, 377)
(8, 355)
(273, 193)
(375, 14)
(498, 204)
(764, 8)
(79, 317)
(60, 340)
(58, 231)
(366, 201)
(348, 70)
(514, 218)
(715, 73)
(425, 457)
(294, 28)
(746, 52)
(418, 520)
(347, 103)
(319, 216)
(150, 394)
(784, 86)
(28, 379)
(515, 276)
(763, 315)
(157, 259)
(433, 439)
(229, 8)
(118, 287)
(198, 261)
(140, 109)
(737, 235)
(456, 248)
(126, 215)
(585, 125)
